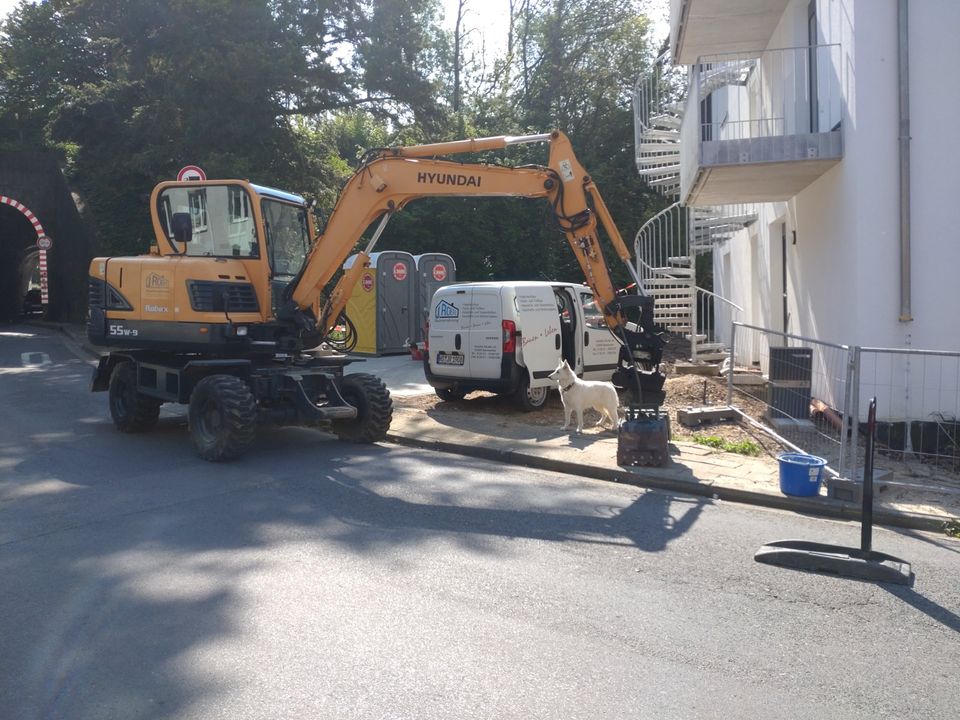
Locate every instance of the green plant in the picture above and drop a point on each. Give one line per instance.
(952, 528)
(744, 447)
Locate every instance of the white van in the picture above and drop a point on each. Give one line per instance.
(507, 337)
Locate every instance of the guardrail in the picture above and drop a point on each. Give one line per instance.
(769, 93)
(812, 394)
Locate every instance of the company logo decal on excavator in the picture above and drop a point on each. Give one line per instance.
(431, 178)
(446, 311)
(156, 281)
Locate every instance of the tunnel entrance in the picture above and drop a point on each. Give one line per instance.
(19, 263)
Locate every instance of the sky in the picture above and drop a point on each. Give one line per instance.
(489, 19)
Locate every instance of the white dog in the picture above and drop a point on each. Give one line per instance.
(577, 395)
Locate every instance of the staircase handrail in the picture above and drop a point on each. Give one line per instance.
(718, 297)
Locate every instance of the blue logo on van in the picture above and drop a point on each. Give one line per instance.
(446, 310)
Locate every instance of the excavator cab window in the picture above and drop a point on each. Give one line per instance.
(219, 217)
(288, 237)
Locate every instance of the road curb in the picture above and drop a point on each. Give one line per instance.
(823, 507)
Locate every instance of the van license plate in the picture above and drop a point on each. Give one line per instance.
(449, 359)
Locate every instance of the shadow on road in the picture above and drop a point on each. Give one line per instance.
(130, 554)
(928, 607)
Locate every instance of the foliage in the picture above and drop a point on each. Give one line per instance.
(291, 92)
(744, 447)
(952, 528)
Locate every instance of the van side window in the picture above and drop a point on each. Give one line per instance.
(592, 316)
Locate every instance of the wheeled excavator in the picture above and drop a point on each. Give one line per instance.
(227, 313)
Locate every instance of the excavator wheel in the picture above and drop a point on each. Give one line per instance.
(370, 397)
(222, 417)
(132, 412)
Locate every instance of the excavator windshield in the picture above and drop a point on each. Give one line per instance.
(288, 236)
(218, 217)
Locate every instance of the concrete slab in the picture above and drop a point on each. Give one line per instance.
(402, 375)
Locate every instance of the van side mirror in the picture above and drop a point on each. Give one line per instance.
(182, 227)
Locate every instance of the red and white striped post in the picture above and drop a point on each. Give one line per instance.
(44, 243)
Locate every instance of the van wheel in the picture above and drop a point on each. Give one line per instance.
(450, 394)
(530, 398)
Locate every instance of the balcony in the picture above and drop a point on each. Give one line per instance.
(708, 27)
(760, 126)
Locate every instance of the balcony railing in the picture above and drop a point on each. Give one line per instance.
(744, 110)
(790, 91)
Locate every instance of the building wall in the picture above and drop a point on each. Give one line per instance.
(935, 152)
(844, 268)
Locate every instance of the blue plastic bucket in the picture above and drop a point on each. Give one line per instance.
(800, 474)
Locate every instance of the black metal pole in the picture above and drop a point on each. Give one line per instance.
(866, 516)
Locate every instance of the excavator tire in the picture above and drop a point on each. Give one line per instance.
(222, 417)
(132, 412)
(370, 397)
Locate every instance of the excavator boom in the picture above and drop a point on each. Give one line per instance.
(390, 179)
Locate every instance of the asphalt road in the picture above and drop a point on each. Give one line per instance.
(314, 579)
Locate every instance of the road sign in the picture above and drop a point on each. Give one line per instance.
(191, 172)
(44, 287)
(44, 243)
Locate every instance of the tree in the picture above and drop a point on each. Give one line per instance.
(140, 89)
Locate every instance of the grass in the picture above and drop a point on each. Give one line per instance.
(952, 528)
(744, 447)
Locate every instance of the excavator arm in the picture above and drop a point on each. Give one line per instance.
(390, 178)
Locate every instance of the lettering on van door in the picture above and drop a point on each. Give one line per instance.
(481, 315)
(535, 303)
(485, 351)
(549, 332)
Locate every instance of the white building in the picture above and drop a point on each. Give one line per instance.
(812, 133)
(794, 106)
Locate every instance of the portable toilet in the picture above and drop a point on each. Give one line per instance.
(433, 271)
(383, 303)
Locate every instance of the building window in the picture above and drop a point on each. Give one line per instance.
(197, 202)
(239, 205)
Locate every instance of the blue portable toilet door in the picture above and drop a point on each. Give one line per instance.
(396, 281)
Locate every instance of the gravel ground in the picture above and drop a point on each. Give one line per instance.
(683, 391)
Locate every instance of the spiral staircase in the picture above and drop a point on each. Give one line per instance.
(668, 245)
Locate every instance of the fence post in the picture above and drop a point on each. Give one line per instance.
(693, 322)
(845, 426)
(855, 412)
(733, 363)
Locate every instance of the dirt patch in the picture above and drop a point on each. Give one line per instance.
(683, 391)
